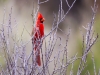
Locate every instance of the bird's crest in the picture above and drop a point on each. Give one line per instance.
(39, 16)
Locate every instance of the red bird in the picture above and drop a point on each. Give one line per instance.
(38, 32)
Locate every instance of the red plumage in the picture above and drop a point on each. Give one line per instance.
(38, 32)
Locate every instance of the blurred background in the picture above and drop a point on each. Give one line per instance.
(80, 15)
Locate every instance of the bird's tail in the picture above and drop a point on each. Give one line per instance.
(37, 52)
(38, 60)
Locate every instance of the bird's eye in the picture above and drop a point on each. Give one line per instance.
(40, 19)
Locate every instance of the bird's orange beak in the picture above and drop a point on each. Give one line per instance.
(43, 19)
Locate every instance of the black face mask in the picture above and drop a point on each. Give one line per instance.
(41, 20)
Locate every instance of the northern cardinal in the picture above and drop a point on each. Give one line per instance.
(38, 33)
